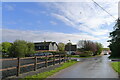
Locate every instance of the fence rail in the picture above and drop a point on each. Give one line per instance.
(47, 59)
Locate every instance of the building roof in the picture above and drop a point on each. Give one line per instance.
(70, 47)
(44, 43)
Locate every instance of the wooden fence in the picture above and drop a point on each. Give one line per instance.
(47, 59)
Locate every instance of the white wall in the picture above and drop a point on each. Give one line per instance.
(55, 47)
(50, 47)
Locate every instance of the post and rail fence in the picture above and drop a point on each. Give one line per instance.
(61, 58)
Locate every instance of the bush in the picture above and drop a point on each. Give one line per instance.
(86, 54)
(21, 48)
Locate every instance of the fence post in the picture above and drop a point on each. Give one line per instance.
(18, 66)
(67, 58)
(35, 64)
(46, 64)
(59, 58)
(53, 59)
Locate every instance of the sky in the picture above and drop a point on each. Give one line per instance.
(58, 21)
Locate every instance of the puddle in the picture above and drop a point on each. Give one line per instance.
(78, 59)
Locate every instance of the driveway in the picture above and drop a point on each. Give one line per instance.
(98, 67)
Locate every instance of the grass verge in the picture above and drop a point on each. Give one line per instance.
(116, 66)
(114, 57)
(46, 74)
(77, 56)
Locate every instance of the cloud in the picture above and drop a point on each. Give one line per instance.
(53, 23)
(9, 7)
(85, 16)
(31, 11)
(55, 0)
(90, 29)
(64, 19)
(11, 35)
(35, 12)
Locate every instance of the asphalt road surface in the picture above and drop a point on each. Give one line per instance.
(98, 67)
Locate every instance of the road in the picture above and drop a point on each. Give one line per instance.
(98, 67)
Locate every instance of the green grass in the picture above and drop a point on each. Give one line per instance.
(46, 74)
(114, 57)
(116, 66)
(77, 56)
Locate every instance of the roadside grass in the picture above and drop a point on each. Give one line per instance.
(77, 56)
(46, 74)
(114, 57)
(116, 66)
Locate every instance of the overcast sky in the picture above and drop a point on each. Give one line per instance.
(58, 21)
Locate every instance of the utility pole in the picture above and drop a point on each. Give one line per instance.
(69, 49)
(44, 44)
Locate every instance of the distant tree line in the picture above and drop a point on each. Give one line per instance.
(92, 47)
(19, 48)
(115, 40)
(22, 48)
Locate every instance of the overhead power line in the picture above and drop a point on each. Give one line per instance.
(104, 10)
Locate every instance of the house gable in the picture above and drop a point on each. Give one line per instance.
(46, 46)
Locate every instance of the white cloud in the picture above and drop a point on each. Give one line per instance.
(53, 22)
(56, 0)
(31, 11)
(11, 35)
(36, 12)
(96, 32)
(64, 19)
(9, 7)
(86, 16)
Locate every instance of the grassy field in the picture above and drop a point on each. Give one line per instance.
(46, 74)
(116, 66)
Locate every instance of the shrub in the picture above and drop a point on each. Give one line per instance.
(86, 54)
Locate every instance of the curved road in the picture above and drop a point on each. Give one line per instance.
(98, 67)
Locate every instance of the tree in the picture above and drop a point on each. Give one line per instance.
(81, 43)
(11, 51)
(99, 47)
(61, 46)
(90, 46)
(19, 48)
(115, 41)
(5, 47)
(106, 49)
(31, 48)
(0, 47)
(87, 45)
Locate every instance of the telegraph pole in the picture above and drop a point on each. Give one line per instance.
(69, 49)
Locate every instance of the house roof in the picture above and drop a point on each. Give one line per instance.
(44, 43)
(70, 47)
